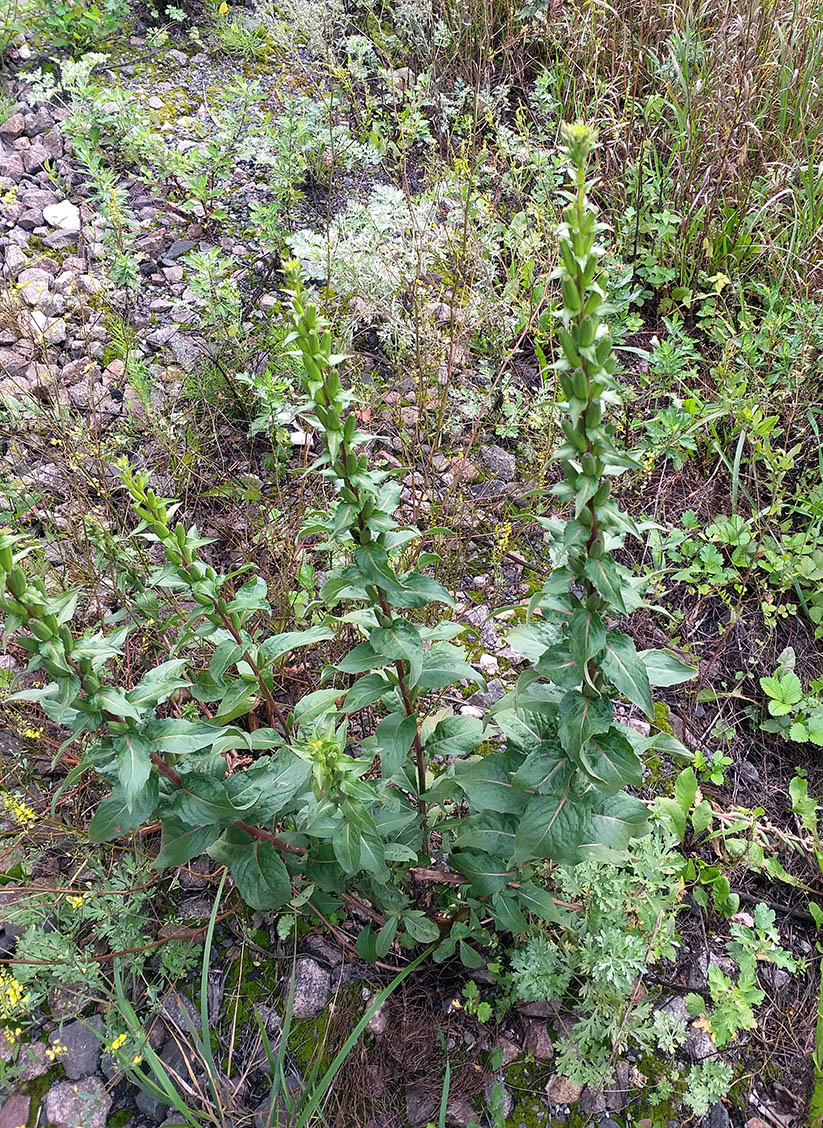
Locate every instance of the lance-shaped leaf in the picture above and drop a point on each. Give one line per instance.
(580, 717)
(159, 683)
(202, 800)
(444, 664)
(487, 784)
(258, 871)
(587, 636)
(362, 658)
(624, 668)
(560, 667)
(133, 764)
(365, 691)
(665, 668)
(609, 758)
(615, 820)
(268, 785)
(455, 736)
(393, 739)
(400, 641)
(604, 575)
(486, 873)
(552, 828)
(541, 903)
(179, 736)
(115, 816)
(180, 842)
(277, 645)
(532, 639)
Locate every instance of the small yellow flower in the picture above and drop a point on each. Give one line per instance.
(117, 1043)
(136, 1059)
(76, 902)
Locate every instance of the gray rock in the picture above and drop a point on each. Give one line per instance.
(699, 1044)
(485, 699)
(35, 157)
(11, 166)
(12, 127)
(38, 121)
(33, 1061)
(311, 989)
(178, 248)
(34, 285)
(274, 1109)
(64, 215)
(502, 464)
(717, 1116)
(78, 1046)
(59, 240)
(76, 1104)
(15, 360)
(617, 1093)
(15, 1111)
(422, 1105)
(186, 351)
(15, 260)
(560, 1090)
(182, 1012)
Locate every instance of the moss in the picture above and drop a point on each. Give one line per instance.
(526, 1081)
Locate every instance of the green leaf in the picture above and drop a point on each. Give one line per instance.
(133, 764)
(420, 927)
(664, 668)
(115, 816)
(537, 901)
(361, 659)
(400, 641)
(314, 705)
(179, 842)
(238, 700)
(258, 871)
(784, 691)
(702, 816)
(626, 671)
(615, 820)
(455, 736)
(346, 845)
(202, 800)
(394, 737)
(384, 938)
(685, 789)
(610, 758)
(159, 683)
(265, 788)
(486, 873)
(507, 914)
(551, 828)
(580, 717)
(365, 691)
(277, 645)
(115, 702)
(179, 736)
(444, 664)
(251, 597)
(603, 574)
(487, 785)
(672, 814)
(532, 639)
(587, 636)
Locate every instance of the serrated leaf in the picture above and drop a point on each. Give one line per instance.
(626, 671)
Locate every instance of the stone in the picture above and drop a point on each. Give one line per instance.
(11, 166)
(15, 1111)
(33, 1061)
(422, 1106)
(34, 285)
(617, 1093)
(38, 121)
(52, 330)
(12, 127)
(155, 103)
(272, 1109)
(76, 1104)
(717, 1116)
(178, 248)
(82, 369)
(756, 1122)
(15, 360)
(186, 351)
(464, 471)
(64, 215)
(312, 984)
(562, 1091)
(35, 157)
(500, 462)
(78, 1046)
(182, 1012)
(537, 1041)
(15, 260)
